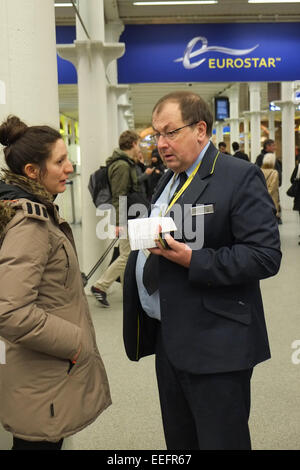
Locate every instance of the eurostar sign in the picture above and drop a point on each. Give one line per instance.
(210, 52)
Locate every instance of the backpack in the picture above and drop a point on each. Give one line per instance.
(99, 186)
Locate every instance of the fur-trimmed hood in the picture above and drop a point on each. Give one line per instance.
(12, 187)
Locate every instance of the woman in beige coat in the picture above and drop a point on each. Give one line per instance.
(272, 178)
(53, 383)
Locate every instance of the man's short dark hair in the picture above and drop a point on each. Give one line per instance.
(127, 139)
(193, 108)
(267, 142)
(221, 144)
(235, 146)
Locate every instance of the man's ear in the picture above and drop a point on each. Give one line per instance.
(201, 127)
(32, 171)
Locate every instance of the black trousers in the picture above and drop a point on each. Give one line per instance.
(203, 412)
(20, 444)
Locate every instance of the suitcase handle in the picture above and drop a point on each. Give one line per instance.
(86, 277)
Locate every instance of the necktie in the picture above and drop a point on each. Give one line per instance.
(151, 267)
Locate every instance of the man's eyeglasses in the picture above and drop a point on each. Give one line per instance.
(171, 135)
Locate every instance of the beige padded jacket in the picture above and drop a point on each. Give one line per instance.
(44, 318)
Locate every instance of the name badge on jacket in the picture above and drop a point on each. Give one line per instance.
(202, 209)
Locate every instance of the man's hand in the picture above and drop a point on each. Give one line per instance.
(177, 252)
(119, 230)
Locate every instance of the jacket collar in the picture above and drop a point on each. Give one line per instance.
(13, 187)
(20, 186)
(199, 182)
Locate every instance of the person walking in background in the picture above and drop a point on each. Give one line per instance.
(197, 304)
(269, 146)
(52, 361)
(238, 153)
(158, 170)
(272, 179)
(123, 181)
(143, 174)
(222, 147)
(296, 177)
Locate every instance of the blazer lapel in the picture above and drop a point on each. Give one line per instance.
(198, 184)
(200, 180)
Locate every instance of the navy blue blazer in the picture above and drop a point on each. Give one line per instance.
(212, 316)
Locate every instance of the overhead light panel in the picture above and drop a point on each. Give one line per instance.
(188, 2)
(273, 1)
(63, 4)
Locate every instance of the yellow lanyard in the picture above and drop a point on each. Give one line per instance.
(183, 188)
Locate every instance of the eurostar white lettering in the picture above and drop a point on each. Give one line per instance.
(118, 460)
(189, 53)
(247, 63)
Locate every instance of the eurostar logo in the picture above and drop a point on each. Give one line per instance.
(189, 53)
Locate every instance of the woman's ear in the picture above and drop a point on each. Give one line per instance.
(32, 171)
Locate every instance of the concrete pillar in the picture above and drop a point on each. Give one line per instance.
(288, 139)
(28, 67)
(219, 132)
(129, 116)
(124, 106)
(115, 91)
(246, 133)
(271, 116)
(254, 89)
(2, 92)
(234, 115)
(91, 57)
(122, 121)
(28, 74)
(113, 31)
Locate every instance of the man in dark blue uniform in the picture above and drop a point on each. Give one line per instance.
(197, 305)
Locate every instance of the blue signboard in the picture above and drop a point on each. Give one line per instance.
(66, 71)
(210, 53)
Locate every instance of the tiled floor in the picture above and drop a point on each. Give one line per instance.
(133, 421)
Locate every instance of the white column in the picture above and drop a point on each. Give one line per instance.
(288, 140)
(115, 91)
(91, 57)
(28, 66)
(271, 116)
(219, 132)
(2, 101)
(246, 133)
(124, 105)
(113, 31)
(122, 121)
(129, 118)
(28, 74)
(2, 92)
(234, 115)
(254, 88)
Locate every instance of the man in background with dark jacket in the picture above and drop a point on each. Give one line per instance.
(269, 146)
(238, 153)
(123, 181)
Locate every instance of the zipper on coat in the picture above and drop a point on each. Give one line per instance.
(67, 266)
(52, 410)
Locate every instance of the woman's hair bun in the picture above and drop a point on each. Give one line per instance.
(11, 130)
